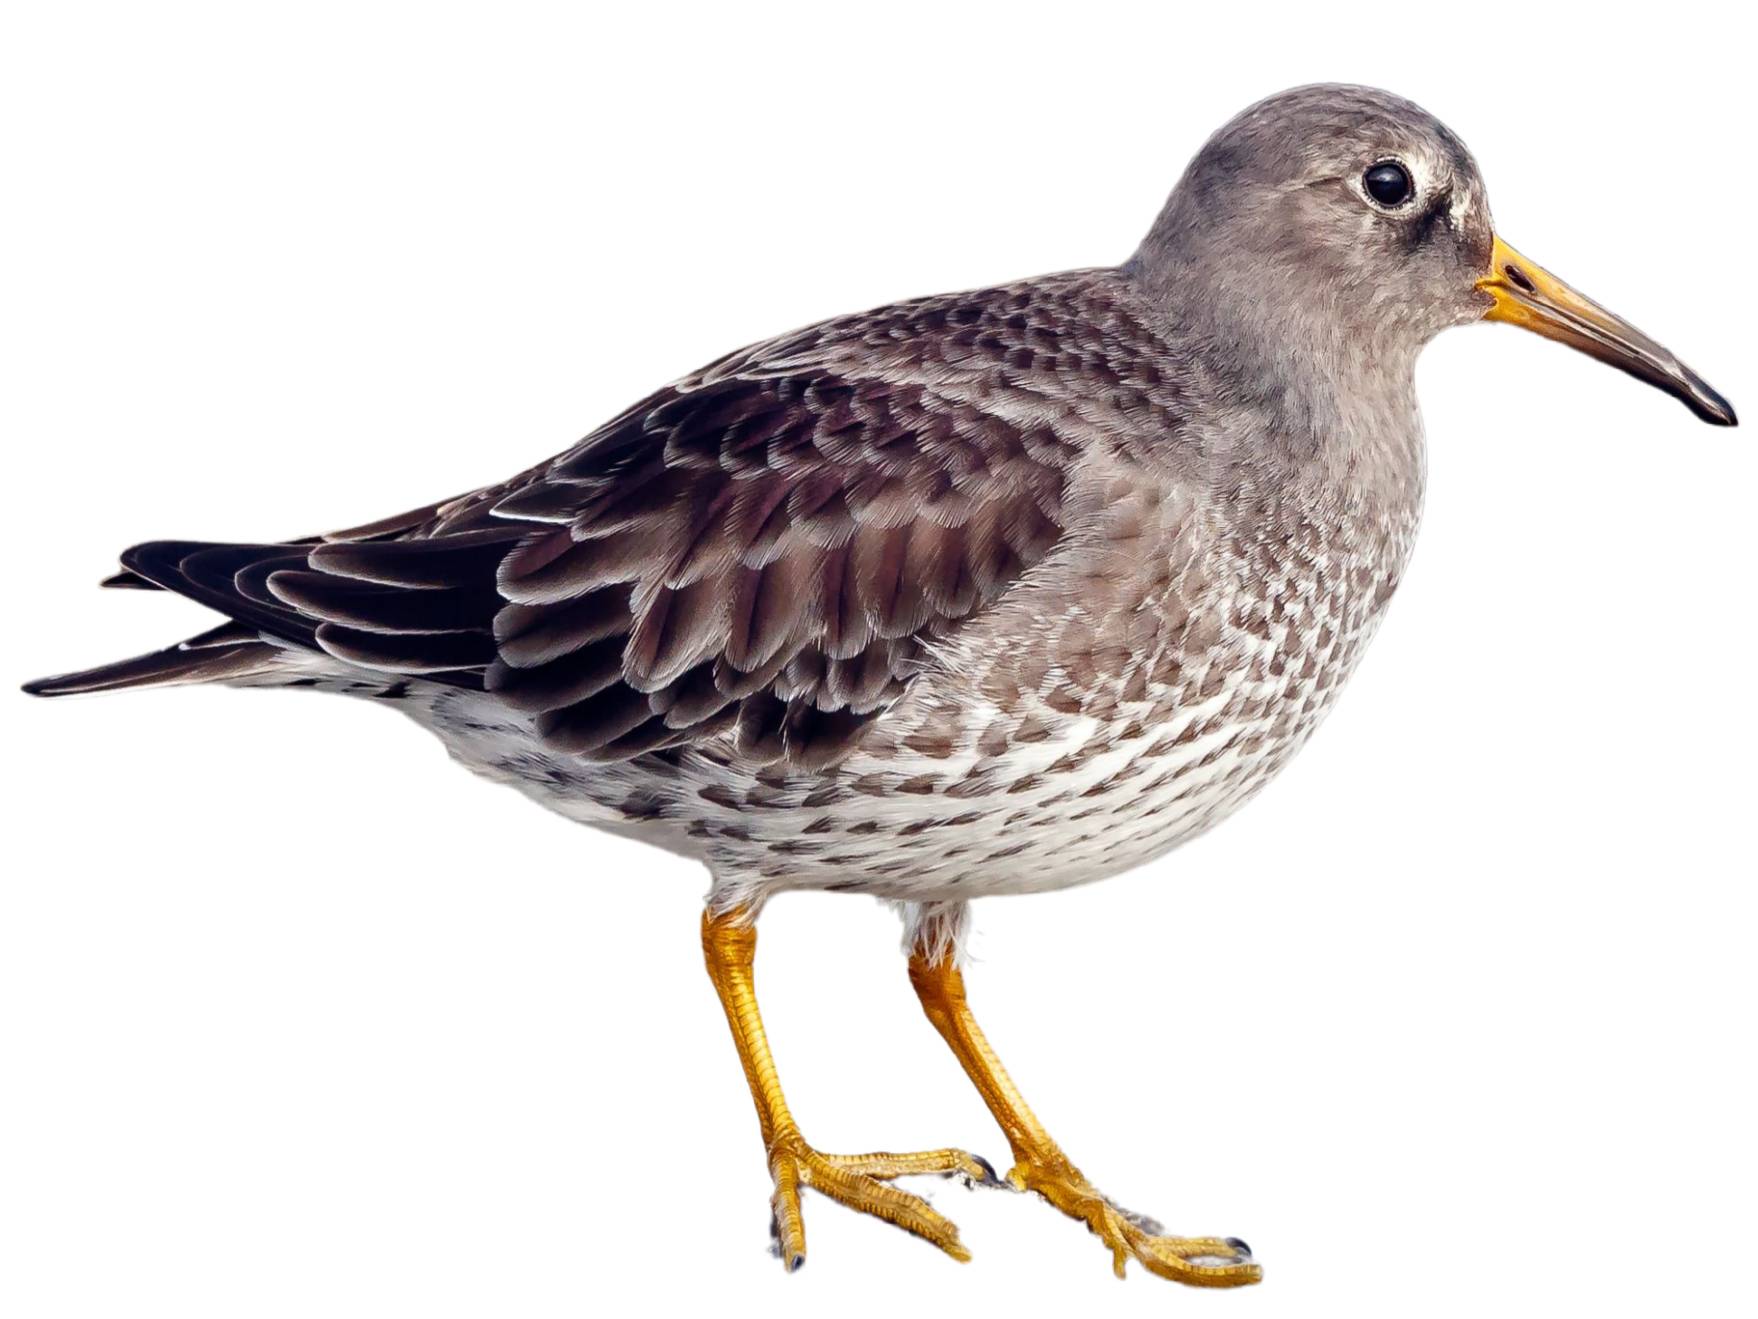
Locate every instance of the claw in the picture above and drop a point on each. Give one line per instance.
(1039, 1165)
(862, 1182)
(1197, 1261)
(990, 1178)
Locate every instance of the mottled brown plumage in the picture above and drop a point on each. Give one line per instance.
(990, 592)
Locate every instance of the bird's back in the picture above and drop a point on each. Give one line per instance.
(767, 543)
(988, 559)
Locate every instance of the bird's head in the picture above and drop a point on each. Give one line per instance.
(1349, 219)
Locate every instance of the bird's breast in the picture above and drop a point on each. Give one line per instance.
(1121, 706)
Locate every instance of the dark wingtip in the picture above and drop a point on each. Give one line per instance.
(63, 684)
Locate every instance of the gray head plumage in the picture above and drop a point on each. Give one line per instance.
(1272, 218)
(1332, 227)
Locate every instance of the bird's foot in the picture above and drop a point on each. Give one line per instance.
(1195, 1261)
(860, 1181)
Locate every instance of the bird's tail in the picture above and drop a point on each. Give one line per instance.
(235, 649)
(263, 634)
(229, 651)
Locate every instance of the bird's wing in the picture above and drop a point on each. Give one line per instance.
(762, 549)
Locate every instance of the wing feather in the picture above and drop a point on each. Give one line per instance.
(760, 552)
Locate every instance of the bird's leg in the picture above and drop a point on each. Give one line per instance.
(729, 943)
(1041, 1166)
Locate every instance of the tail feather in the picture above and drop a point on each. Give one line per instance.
(208, 573)
(268, 626)
(231, 650)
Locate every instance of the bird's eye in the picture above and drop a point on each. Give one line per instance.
(1388, 183)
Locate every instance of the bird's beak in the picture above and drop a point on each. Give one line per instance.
(1531, 297)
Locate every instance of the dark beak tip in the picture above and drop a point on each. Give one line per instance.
(1716, 410)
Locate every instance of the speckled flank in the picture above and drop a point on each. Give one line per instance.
(984, 592)
(1159, 697)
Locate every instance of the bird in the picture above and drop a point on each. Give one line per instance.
(992, 592)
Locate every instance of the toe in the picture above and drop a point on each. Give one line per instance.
(1195, 1261)
(886, 1167)
(910, 1212)
(787, 1226)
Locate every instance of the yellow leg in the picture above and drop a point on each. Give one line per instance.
(1041, 1166)
(729, 944)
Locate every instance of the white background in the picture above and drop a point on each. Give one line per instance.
(298, 1019)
